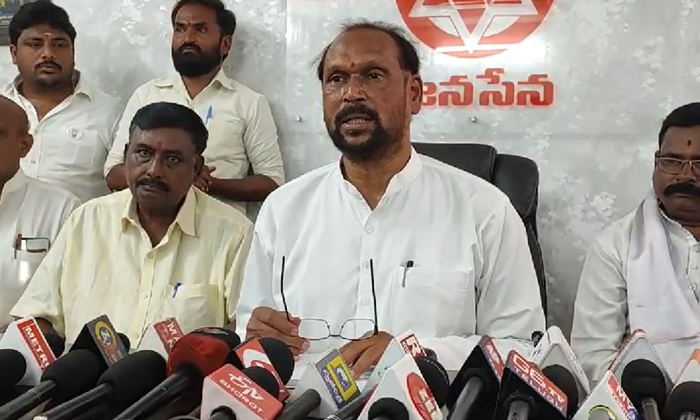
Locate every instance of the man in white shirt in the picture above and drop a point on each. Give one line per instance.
(642, 271)
(243, 135)
(434, 249)
(31, 212)
(72, 122)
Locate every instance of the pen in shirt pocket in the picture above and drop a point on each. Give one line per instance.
(210, 113)
(406, 266)
(175, 289)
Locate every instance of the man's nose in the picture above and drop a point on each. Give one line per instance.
(155, 169)
(355, 90)
(190, 36)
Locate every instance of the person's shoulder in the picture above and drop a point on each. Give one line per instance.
(52, 196)
(244, 90)
(104, 207)
(299, 189)
(217, 213)
(614, 238)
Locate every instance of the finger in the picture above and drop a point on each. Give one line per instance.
(353, 350)
(368, 358)
(260, 330)
(279, 321)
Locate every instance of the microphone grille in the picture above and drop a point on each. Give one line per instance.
(435, 377)
(134, 376)
(13, 367)
(262, 377)
(74, 373)
(564, 380)
(683, 399)
(280, 356)
(56, 343)
(204, 352)
(642, 379)
(389, 408)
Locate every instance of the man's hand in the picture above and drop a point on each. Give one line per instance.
(362, 354)
(266, 322)
(204, 180)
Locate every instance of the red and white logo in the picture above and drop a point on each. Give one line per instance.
(411, 346)
(536, 380)
(36, 342)
(492, 356)
(422, 398)
(473, 28)
(168, 332)
(247, 392)
(252, 354)
(621, 398)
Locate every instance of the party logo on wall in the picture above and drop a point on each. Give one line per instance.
(473, 29)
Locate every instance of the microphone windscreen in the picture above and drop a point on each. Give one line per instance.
(74, 373)
(204, 350)
(125, 340)
(642, 379)
(683, 399)
(388, 408)
(280, 356)
(133, 377)
(435, 377)
(13, 366)
(262, 377)
(565, 381)
(56, 343)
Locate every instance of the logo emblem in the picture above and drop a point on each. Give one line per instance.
(473, 28)
(105, 334)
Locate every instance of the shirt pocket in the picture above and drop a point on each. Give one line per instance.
(27, 263)
(226, 140)
(82, 148)
(195, 306)
(434, 302)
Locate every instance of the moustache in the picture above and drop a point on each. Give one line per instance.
(685, 188)
(153, 183)
(354, 111)
(182, 48)
(48, 64)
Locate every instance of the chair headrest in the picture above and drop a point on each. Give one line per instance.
(518, 177)
(477, 159)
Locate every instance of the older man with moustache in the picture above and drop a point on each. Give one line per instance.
(31, 212)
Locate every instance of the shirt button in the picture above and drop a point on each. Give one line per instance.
(364, 302)
(693, 266)
(365, 264)
(369, 229)
(144, 296)
(150, 255)
(696, 248)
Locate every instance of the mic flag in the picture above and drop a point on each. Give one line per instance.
(100, 337)
(270, 354)
(162, 336)
(638, 346)
(607, 400)
(26, 337)
(399, 346)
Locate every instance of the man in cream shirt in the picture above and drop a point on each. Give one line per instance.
(158, 249)
(434, 249)
(31, 212)
(243, 135)
(643, 271)
(72, 122)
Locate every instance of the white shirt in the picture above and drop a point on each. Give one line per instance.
(242, 133)
(472, 274)
(71, 142)
(32, 209)
(601, 314)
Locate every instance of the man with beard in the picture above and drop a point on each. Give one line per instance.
(72, 122)
(243, 135)
(386, 240)
(158, 249)
(642, 271)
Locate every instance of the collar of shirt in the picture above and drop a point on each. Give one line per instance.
(175, 81)
(15, 183)
(81, 88)
(675, 228)
(185, 218)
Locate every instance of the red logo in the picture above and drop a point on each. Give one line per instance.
(534, 377)
(169, 332)
(411, 346)
(252, 354)
(621, 398)
(37, 343)
(422, 398)
(247, 392)
(473, 28)
(492, 356)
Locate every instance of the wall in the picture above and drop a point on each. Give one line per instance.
(618, 67)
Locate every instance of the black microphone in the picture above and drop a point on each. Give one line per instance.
(300, 408)
(387, 409)
(258, 375)
(124, 382)
(194, 356)
(66, 378)
(13, 367)
(684, 402)
(645, 385)
(565, 381)
(56, 343)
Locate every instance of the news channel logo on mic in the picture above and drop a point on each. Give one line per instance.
(601, 412)
(338, 379)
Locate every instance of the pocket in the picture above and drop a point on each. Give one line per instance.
(27, 263)
(195, 306)
(82, 146)
(434, 302)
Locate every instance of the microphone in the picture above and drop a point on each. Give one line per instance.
(399, 346)
(565, 381)
(553, 349)
(637, 347)
(474, 391)
(683, 403)
(691, 370)
(644, 383)
(99, 337)
(607, 400)
(38, 351)
(194, 356)
(162, 336)
(13, 366)
(270, 354)
(248, 394)
(124, 382)
(387, 409)
(527, 393)
(69, 376)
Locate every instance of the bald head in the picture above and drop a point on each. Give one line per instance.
(15, 140)
(12, 117)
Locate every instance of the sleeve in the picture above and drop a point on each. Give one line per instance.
(238, 254)
(257, 281)
(121, 137)
(42, 298)
(509, 307)
(261, 142)
(69, 207)
(600, 311)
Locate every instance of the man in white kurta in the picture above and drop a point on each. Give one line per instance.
(437, 250)
(642, 271)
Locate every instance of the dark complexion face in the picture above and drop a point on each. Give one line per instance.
(161, 165)
(198, 47)
(679, 193)
(44, 57)
(368, 99)
(15, 140)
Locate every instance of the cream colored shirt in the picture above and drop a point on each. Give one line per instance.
(71, 142)
(242, 133)
(600, 313)
(103, 263)
(35, 210)
(472, 269)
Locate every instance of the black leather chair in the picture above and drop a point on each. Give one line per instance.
(518, 177)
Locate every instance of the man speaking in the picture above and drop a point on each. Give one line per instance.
(385, 240)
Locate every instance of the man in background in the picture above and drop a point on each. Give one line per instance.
(158, 249)
(643, 271)
(31, 212)
(386, 240)
(72, 122)
(243, 135)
